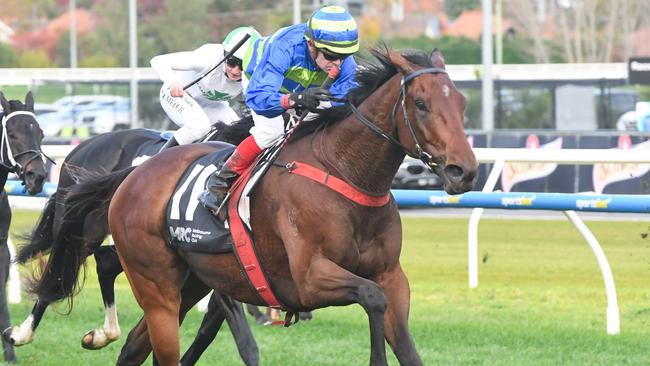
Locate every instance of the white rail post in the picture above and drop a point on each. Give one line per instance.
(472, 230)
(13, 293)
(613, 317)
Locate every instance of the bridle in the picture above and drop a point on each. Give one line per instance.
(13, 166)
(419, 153)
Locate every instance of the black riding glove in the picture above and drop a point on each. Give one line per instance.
(309, 99)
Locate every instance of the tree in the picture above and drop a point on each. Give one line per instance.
(30, 59)
(179, 26)
(457, 50)
(585, 30)
(453, 8)
(111, 35)
(8, 56)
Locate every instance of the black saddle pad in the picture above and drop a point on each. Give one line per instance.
(192, 227)
(152, 146)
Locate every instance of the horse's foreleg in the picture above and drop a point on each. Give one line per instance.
(5, 320)
(210, 325)
(137, 347)
(325, 284)
(223, 308)
(240, 329)
(396, 288)
(24, 333)
(108, 268)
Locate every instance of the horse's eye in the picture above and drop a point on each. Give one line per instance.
(419, 104)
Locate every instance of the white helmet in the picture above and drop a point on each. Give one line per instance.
(235, 36)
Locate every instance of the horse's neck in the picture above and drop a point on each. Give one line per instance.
(361, 156)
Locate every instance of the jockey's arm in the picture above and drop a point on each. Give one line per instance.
(198, 61)
(263, 93)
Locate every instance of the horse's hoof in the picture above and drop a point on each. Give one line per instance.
(10, 335)
(10, 357)
(96, 339)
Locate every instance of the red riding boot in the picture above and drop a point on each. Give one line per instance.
(219, 182)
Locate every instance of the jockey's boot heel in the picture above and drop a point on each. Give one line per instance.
(217, 188)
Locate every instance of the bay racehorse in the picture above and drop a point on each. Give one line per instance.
(21, 154)
(317, 247)
(104, 153)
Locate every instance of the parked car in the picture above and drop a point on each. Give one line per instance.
(41, 108)
(413, 174)
(101, 116)
(71, 111)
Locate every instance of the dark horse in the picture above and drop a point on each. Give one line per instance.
(21, 154)
(102, 154)
(317, 247)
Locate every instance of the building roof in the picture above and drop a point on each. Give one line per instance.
(469, 24)
(47, 37)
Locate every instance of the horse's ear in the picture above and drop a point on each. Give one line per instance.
(400, 62)
(436, 59)
(5, 104)
(29, 101)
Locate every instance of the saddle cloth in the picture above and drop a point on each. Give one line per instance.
(192, 227)
(151, 147)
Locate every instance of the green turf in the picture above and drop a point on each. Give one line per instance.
(540, 301)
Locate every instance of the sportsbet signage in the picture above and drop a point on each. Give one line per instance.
(638, 70)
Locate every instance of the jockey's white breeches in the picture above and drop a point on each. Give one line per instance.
(192, 118)
(265, 130)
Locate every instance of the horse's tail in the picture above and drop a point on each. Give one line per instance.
(40, 239)
(92, 196)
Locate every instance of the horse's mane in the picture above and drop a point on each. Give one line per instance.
(233, 133)
(370, 75)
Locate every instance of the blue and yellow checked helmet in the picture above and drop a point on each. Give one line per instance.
(333, 29)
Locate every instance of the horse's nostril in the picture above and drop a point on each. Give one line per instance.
(454, 173)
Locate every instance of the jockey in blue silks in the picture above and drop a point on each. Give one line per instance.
(282, 72)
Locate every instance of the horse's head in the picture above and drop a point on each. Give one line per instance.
(430, 121)
(20, 146)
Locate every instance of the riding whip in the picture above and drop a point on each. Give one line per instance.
(227, 56)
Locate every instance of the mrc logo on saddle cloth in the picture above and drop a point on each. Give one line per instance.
(191, 226)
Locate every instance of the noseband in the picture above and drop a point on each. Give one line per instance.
(419, 153)
(14, 166)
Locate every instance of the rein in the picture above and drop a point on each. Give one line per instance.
(14, 166)
(419, 153)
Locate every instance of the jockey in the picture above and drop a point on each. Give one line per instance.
(192, 109)
(285, 71)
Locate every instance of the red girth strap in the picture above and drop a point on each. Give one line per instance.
(337, 185)
(243, 246)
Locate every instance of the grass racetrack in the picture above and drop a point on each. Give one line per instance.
(540, 301)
